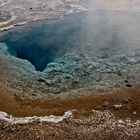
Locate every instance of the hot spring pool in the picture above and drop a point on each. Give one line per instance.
(81, 50)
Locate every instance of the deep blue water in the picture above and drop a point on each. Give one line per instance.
(43, 42)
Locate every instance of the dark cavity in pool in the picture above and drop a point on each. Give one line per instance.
(42, 43)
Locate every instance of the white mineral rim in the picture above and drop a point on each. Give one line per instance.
(3, 3)
(23, 120)
(56, 119)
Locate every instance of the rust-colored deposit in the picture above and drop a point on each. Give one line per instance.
(128, 101)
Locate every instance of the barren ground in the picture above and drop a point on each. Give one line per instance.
(86, 123)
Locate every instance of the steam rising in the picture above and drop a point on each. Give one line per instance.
(113, 26)
(106, 29)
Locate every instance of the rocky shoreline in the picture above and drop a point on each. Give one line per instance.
(115, 116)
(100, 125)
(20, 13)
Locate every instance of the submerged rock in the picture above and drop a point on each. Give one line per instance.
(53, 67)
(4, 49)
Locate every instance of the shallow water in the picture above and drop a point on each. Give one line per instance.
(98, 48)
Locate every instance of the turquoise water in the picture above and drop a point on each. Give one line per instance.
(45, 42)
(99, 49)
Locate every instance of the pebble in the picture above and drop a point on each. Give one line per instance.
(105, 104)
(118, 106)
(126, 100)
